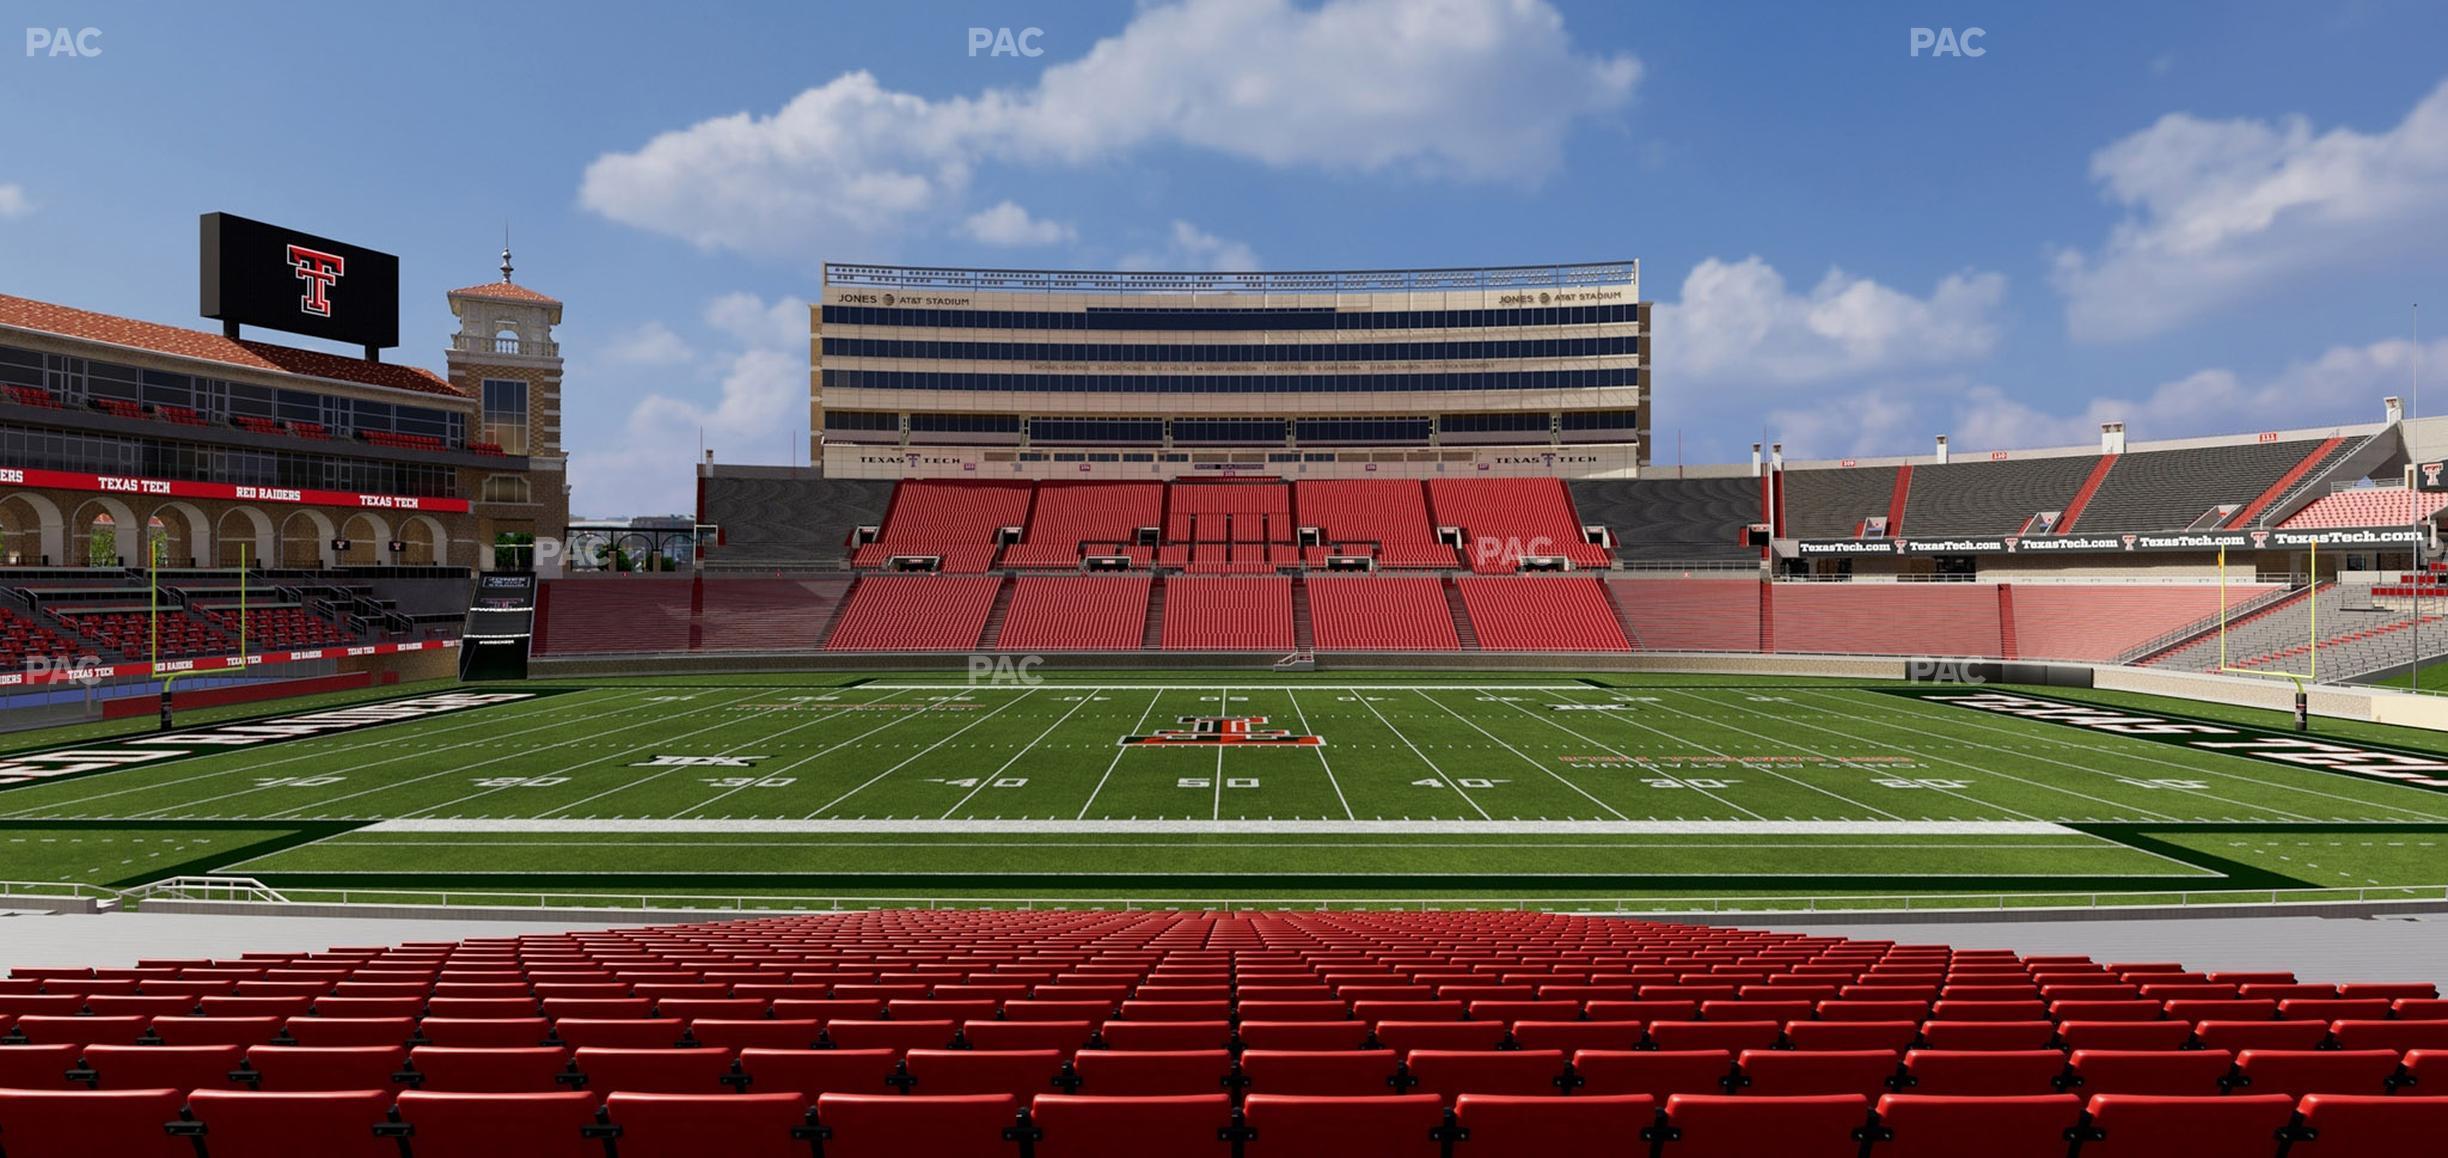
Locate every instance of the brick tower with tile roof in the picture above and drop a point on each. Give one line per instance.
(504, 356)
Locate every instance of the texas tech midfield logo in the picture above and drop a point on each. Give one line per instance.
(1233, 730)
(319, 270)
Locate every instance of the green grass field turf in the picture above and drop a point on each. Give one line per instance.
(1481, 786)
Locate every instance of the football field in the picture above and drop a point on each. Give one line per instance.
(1192, 786)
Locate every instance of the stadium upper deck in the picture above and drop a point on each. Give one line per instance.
(1535, 370)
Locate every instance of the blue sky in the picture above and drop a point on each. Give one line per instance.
(2193, 218)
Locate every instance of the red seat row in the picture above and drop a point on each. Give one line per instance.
(169, 1123)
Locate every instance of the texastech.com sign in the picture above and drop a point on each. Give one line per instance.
(2353, 759)
(2332, 539)
(136, 751)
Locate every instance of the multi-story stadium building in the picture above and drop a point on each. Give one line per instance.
(980, 373)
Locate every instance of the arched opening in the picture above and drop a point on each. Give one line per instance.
(423, 542)
(32, 531)
(187, 535)
(369, 540)
(244, 538)
(108, 534)
(305, 540)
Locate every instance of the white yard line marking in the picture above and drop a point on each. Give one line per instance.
(1984, 723)
(903, 718)
(1324, 764)
(576, 700)
(1613, 750)
(1284, 827)
(1474, 726)
(1139, 728)
(1766, 768)
(988, 780)
(754, 741)
(2088, 771)
(871, 781)
(632, 750)
(1442, 778)
(463, 768)
(1974, 802)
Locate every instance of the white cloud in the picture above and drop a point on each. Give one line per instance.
(1188, 247)
(760, 390)
(2341, 386)
(1737, 326)
(652, 344)
(2219, 211)
(13, 202)
(1007, 224)
(1478, 90)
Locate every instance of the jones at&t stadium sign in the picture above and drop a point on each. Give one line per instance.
(2157, 541)
(137, 751)
(2298, 751)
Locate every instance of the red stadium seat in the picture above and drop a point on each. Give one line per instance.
(489, 1069)
(1732, 1036)
(2360, 1126)
(1305, 1034)
(1123, 1073)
(764, 1034)
(902, 1036)
(640, 1033)
(2191, 1073)
(346, 1031)
(496, 1125)
(43, 1029)
(2301, 1072)
(2008, 1035)
(89, 1123)
(1657, 1073)
(1404, 1036)
(655, 1071)
(1789, 1073)
(2396, 1035)
(2147, 1126)
(154, 1067)
(34, 1067)
(1570, 1036)
(662, 1125)
(1096, 1127)
(303, 1068)
(818, 1071)
(894, 1126)
(1982, 1073)
(1893, 1036)
(1167, 1035)
(1520, 1073)
(1396, 1126)
(2242, 1035)
(338, 1122)
(1021, 1073)
(1539, 1127)
(1718, 1126)
(2126, 1035)
(476, 1033)
(1351, 1073)
(1918, 1125)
